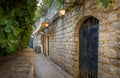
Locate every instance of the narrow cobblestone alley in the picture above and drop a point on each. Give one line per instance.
(59, 38)
(45, 68)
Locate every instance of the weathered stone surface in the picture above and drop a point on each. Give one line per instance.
(118, 72)
(116, 26)
(64, 39)
(104, 60)
(101, 36)
(104, 28)
(113, 76)
(115, 62)
(110, 53)
(108, 69)
(102, 75)
(112, 16)
(17, 65)
(118, 55)
(116, 4)
(45, 68)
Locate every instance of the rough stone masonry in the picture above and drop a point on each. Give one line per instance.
(64, 38)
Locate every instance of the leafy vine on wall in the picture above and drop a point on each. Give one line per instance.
(46, 4)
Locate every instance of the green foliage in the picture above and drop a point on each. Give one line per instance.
(42, 9)
(16, 19)
(9, 31)
(105, 3)
(59, 4)
(47, 2)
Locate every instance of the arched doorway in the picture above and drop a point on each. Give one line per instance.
(88, 34)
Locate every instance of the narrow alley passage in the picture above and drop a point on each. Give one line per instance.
(45, 68)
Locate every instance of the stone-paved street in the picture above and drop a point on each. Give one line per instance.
(17, 65)
(45, 68)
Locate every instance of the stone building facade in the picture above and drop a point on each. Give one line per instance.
(62, 38)
(36, 35)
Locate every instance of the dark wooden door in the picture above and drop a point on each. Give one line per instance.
(89, 48)
(47, 46)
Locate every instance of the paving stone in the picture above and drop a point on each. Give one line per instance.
(45, 68)
(17, 65)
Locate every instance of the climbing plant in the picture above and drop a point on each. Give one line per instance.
(16, 20)
(105, 3)
(41, 11)
(45, 4)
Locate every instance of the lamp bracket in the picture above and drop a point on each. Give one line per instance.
(74, 3)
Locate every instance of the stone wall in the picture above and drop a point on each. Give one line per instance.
(64, 38)
(62, 45)
(109, 31)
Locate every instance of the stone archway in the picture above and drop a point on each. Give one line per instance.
(77, 50)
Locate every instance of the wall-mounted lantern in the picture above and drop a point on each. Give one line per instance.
(44, 24)
(62, 12)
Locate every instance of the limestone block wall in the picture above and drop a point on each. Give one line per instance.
(61, 42)
(64, 38)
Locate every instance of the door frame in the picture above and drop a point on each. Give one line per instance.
(77, 45)
(88, 25)
(47, 45)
